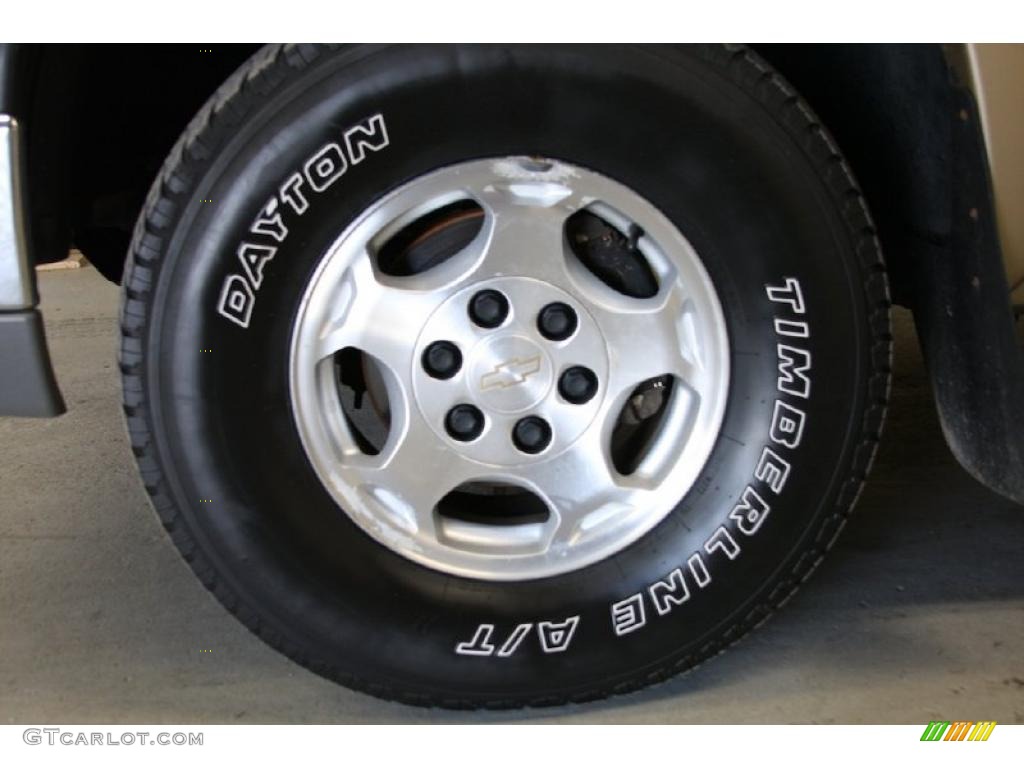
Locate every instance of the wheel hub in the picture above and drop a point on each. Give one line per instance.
(510, 371)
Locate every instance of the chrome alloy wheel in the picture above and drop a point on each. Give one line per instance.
(505, 371)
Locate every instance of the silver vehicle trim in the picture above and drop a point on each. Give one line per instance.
(17, 288)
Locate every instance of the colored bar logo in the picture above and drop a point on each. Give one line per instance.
(958, 730)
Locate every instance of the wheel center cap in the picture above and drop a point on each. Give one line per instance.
(509, 373)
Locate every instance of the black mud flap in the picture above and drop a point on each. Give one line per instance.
(961, 304)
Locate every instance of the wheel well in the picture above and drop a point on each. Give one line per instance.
(103, 120)
(100, 143)
(891, 111)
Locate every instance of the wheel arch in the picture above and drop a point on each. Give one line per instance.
(100, 119)
(890, 109)
(86, 137)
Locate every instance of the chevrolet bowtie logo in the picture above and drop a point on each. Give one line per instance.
(510, 373)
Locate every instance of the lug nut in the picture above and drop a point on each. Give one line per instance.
(557, 321)
(488, 308)
(531, 434)
(577, 384)
(442, 360)
(464, 422)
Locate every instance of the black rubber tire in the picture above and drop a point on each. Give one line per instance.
(710, 135)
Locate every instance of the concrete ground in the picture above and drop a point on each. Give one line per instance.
(917, 615)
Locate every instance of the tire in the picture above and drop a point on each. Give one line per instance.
(719, 144)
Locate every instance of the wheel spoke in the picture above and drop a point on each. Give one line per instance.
(524, 230)
(648, 338)
(586, 493)
(412, 474)
(378, 318)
